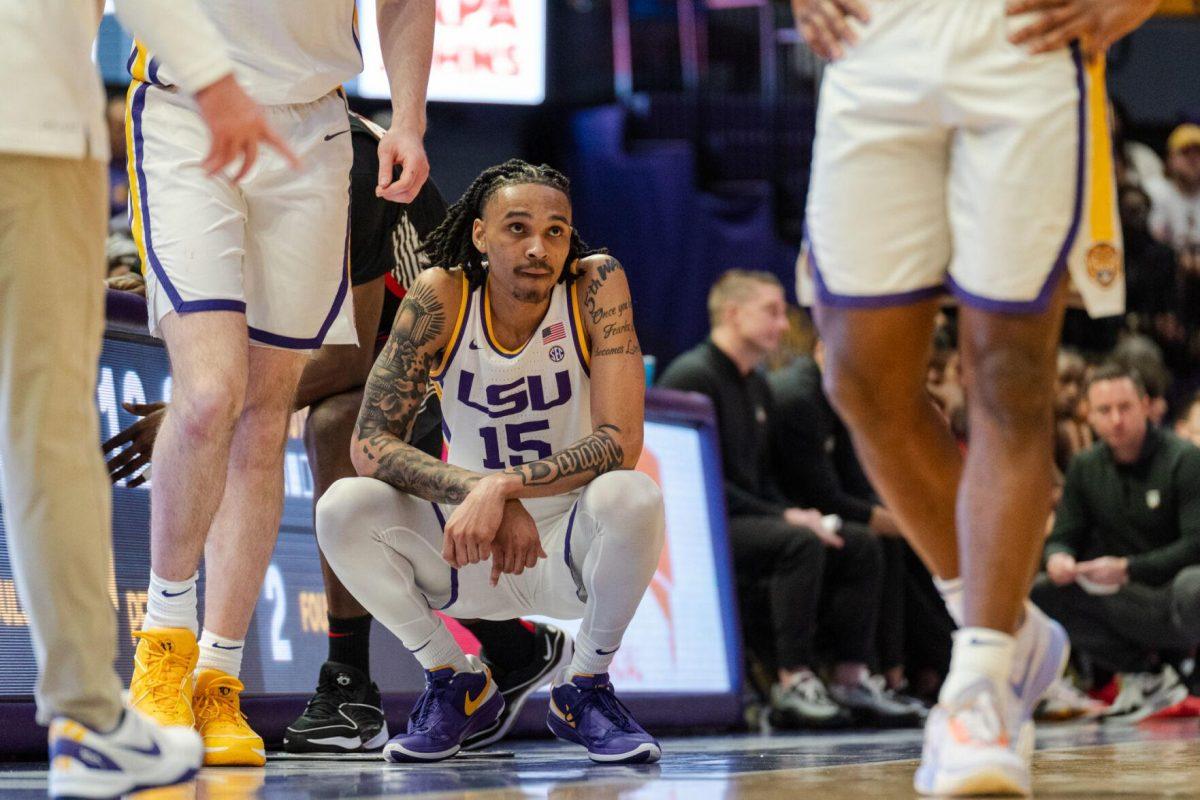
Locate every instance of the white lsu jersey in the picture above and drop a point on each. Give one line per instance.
(284, 51)
(502, 408)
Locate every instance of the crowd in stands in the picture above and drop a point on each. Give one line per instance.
(842, 623)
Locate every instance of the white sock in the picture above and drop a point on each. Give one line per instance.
(217, 652)
(594, 654)
(171, 604)
(1026, 636)
(951, 591)
(978, 653)
(440, 650)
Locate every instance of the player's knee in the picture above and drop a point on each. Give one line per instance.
(851, 391)
(208, 409)
(628, 503)
(342, 508)
(1003, 384)
(332, 419)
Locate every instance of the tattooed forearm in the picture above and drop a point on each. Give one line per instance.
(393, 395)
(593, 455)
(415, 472)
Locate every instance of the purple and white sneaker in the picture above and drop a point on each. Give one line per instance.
(453, 706)
(586, 711)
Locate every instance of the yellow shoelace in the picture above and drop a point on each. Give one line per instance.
(212, 706)
(166, 672)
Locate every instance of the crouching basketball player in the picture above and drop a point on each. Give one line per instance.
(529, 341)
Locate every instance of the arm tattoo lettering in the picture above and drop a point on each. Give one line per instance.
(393, 395)
(595, 455)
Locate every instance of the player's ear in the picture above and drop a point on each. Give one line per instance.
(477, 236)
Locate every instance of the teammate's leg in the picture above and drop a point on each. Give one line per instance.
(876, 364)
(615, 541)
(208, 372)
(1009, 363)
(345, 713)
(237, 552)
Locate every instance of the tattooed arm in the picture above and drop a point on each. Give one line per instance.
(396, 387)
(618, 391)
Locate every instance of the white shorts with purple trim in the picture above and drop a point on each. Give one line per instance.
(948, 159)
(274, 246)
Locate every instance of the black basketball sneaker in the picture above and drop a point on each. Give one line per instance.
(344, 716)
(552, 650)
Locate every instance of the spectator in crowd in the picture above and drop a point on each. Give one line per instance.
(1121, 562)
(943, 380)
(1175, 215)
(810, 566)
(1136, 163)
(1072, 434)
(816, 466)
(1140, 354)
(118, 175)
(1151, 272)
(1187, 425)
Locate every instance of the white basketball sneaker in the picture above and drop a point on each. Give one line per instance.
(975, 744)
(137, 754)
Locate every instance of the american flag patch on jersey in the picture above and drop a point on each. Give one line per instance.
(554, 332)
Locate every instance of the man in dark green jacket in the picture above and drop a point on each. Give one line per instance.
(1121, 561)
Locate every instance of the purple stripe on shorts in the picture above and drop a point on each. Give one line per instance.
(834, 300)
(1042, 301)
(295, 343)
(180, 305)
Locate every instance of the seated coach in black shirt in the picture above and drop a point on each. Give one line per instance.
(816, 467)
(814, 572)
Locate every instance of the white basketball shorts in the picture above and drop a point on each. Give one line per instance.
(948, 159)
(274, 246)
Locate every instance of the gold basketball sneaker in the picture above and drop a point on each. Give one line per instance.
(228, 738)
(161, 686)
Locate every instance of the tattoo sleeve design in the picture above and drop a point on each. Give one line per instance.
(616, 337)
(393, 395)
(592, 455)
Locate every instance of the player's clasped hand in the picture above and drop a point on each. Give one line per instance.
(1096, 24)
(473, 525)
(238, 126)
(517, 546)
(825, 24)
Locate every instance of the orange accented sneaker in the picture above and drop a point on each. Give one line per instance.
(228, 738)
(161, 686)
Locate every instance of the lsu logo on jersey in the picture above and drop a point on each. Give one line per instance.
(527, 393)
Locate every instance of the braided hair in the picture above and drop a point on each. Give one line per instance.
(450, 244)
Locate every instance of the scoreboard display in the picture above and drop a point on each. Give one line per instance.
(683, 639)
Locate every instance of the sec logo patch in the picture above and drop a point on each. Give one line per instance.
(557, 354)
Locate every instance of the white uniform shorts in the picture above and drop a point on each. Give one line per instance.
(552, 588)
(274, 246)
(948, 159)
